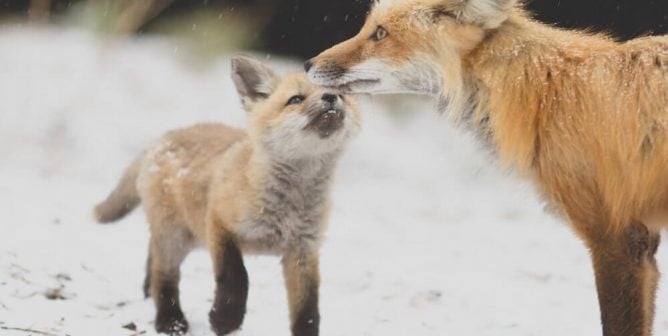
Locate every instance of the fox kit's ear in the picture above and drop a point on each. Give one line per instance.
(489, 14)
(254, 80)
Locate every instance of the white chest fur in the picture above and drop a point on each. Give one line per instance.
(290, 210)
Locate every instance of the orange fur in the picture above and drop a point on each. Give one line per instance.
(582, 115)
(585, 115)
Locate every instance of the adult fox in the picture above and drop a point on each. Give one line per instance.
(582, 115)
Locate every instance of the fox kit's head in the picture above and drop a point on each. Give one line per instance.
(290, 117)
(410, 46)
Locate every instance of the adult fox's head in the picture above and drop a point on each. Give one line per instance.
(409, 46)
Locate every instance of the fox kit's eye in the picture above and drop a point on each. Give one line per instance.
(379, 34)
(298, 99)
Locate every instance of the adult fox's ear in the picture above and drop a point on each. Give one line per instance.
(254, 80)
(489, 14)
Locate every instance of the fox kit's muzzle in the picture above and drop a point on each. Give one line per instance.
(328, 117)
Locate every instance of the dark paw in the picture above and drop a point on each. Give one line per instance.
(308, 326)
(174, 325)
(225, 321)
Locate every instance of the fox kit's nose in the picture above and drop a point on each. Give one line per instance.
(308, 65)
(330, 98)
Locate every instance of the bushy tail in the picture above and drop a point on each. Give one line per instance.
(123, 199)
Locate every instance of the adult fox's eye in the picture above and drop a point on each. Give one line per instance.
(298, 99)
(379, 34)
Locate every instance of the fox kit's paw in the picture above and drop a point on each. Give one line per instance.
(225, 321)
(171, 324)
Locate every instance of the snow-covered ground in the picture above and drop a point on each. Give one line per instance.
(427, 236)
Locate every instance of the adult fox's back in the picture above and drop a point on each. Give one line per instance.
(581, 112)
(585, 117)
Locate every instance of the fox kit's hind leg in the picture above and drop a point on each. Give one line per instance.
(302, 279)
(626, 279)
(168, 247)
(229, 305)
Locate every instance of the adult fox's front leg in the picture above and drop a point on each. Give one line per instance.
(626, 278)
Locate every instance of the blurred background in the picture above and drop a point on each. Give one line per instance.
(427, 235)
(300, 28)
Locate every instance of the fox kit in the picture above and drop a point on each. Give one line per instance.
(582, 115)
(261, 191)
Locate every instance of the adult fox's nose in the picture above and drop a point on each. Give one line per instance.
(330, 98)
(308, 65)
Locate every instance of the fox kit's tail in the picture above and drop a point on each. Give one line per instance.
(123, 199)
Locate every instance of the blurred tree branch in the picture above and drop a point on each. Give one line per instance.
(133, 14)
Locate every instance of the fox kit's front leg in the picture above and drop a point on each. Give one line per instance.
(229, 305)
(302, 278)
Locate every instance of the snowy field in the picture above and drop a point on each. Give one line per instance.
(427, 236)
